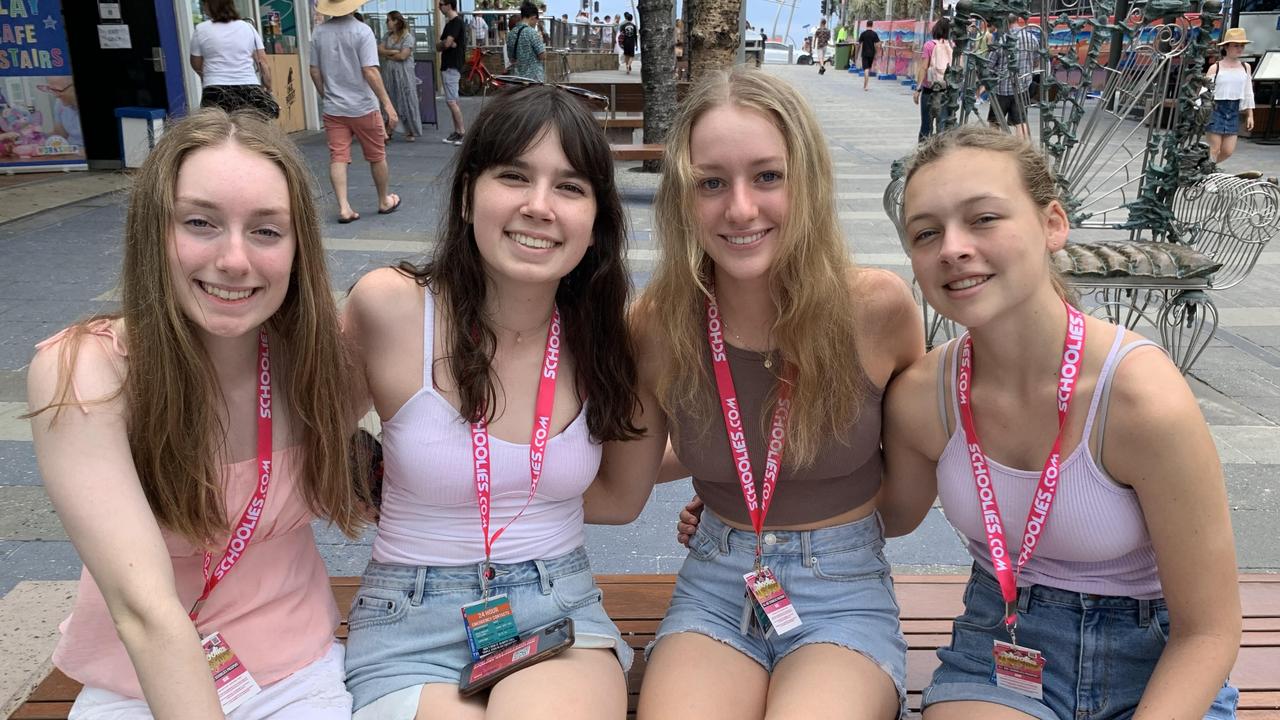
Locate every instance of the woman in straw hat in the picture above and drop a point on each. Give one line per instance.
(1232, 94)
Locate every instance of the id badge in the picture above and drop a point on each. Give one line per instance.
(1019, 669)
(772, 601)
(490, 625)
(230, 677)
(753, 618)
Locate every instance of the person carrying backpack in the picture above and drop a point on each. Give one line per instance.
(932, 77)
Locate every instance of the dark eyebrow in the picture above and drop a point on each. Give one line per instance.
(256, 212)
(570, 174)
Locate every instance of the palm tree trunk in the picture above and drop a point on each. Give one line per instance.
(713, 37)
(657, 70)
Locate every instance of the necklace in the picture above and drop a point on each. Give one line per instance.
(766, 355)
(521, 333)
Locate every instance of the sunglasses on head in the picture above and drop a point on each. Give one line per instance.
(514, 83)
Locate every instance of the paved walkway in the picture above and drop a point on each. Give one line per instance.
(60, 263)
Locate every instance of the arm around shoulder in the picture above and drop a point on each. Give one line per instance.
(85, 461)
(912, 436)
(629, 468)
(1158, 443)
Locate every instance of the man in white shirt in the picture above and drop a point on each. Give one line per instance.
(345, 70)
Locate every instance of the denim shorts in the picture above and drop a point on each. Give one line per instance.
(1099, 652)
(836, 577)
(406, 630)
(1225, 119)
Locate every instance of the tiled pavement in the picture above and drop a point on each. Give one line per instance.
(59, 264)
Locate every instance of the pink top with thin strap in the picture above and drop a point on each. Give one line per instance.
(275, 608)
(1095, 542)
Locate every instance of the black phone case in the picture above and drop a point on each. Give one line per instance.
(533, 647)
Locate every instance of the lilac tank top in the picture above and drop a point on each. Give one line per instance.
(1096, 538)
(429, 512)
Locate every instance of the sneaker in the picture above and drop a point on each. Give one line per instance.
(453, 139)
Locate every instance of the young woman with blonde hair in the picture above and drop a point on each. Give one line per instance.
(188, 441)
(1104, 579)
(756, 302)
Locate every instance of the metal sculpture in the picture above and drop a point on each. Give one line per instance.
(1121, 101)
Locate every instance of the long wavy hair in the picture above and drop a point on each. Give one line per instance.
(592, 297)
(809, 281)
(174, 402)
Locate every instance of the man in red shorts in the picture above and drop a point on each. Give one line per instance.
(344, 67)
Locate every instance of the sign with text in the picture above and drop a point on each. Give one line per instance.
(39, 114)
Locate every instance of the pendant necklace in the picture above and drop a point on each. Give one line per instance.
(767, 356)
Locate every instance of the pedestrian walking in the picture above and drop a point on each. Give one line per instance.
(931, 79)
(1104, 562)
(398, 76)
(1013, 59)
(628, 36)
(453, 53)
(738, 330)
(513, 332)
(525, 47)
(821, 38)
(868, 45)
(345, 70)
(228, 55)
(1232, 95)
(212, 411)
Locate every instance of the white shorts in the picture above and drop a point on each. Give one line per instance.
(316, 692)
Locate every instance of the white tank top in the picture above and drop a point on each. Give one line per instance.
(429, 511)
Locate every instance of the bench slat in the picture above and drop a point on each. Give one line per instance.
(638, 602)
(653, 151)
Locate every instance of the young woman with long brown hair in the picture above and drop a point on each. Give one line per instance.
(764, 351)
(187, 442)
(498, 368)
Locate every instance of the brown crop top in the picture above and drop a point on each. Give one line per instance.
(845, 473)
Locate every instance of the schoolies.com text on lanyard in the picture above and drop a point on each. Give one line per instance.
(480, 447)
(757, 507)
(1042, 502)
(238, 545)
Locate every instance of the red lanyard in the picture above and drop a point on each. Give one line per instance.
(757, 508)
(537, 443)
(248, 525)
(1038, 514)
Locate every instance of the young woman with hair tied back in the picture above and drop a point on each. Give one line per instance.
(761, 346)
(513, 335)
(188, 441)
(1104, 555)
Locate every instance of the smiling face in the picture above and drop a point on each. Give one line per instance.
(739, 161)
(231, 243)
(533, 217)
(979, 249)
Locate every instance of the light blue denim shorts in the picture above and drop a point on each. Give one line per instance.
(836, 577)
(1099, 652)
(406, 625)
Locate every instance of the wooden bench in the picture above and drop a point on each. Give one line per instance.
(627, 97)
(929, 602)
(652, 151)
(621, 129)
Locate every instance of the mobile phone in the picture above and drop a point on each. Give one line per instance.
(533, 647)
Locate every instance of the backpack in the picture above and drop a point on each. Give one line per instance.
(939, 61)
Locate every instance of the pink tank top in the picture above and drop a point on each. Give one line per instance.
(1096, 539)
(429, 513)
(278, 590)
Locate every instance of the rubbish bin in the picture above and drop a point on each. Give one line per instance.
(842, 55)
(140, 130)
